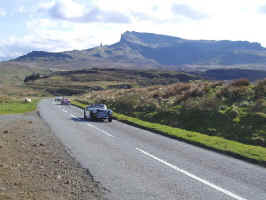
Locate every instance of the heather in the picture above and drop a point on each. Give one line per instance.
(234, 111)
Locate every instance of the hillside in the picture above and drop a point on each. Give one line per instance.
(87, 80)
(12, 77)
(235, 111)
(151, 51)
(231, 74)
(169, 50)
(14, 73)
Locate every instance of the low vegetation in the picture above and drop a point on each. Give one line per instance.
(13, 106)
(234, 111)
(83, 81)
(229, 117)
(12, 87)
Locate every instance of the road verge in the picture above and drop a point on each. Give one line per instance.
(34, 164)
(18, 107)
(249, 153)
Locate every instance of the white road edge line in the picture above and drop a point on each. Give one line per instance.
(104, 132)
(226, 192)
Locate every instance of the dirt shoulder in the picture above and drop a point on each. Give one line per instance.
(35, 165)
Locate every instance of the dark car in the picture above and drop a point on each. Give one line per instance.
(97, 112)
(65, 101)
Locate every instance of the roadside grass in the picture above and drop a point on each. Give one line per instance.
(232, 111)
(17, 107)
(254, 154)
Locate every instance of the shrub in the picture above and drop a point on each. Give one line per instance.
(260, 106)
(146, 107)
(209, 103)
(235, 94)
(217, 84)
(176, 89)
(260, 89)
(126, 104)
(233, 112)
(240, 82)
(4, 99)
(32, 77)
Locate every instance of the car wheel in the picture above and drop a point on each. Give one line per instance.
(92, 118)
(85, 117)
(110, 119)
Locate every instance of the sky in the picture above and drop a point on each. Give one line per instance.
(63, 25)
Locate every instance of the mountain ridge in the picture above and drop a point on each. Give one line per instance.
(148, 50)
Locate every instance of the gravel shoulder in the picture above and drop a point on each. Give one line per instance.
(35, 165)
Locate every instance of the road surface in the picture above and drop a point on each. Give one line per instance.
(134, 164)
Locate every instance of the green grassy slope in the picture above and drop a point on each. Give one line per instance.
(14, 73)
(235, 111)
(17, 107)
(12, 85)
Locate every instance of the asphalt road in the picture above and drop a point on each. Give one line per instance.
(132, 163)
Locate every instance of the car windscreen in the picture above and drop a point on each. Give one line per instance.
(100, 106)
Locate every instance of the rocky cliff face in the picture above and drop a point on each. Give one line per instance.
(168, 50)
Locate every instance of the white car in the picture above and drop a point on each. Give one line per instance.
(97, 112)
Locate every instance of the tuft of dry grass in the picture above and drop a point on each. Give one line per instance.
(240, 82)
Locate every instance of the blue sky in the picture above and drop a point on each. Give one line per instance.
(62, 25)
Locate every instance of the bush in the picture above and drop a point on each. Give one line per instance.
(235, 94)
(176, 89)
(126, 104)
(260, 89)
(209, 103)
(214, 108)
(240, 82)
(4, 99)
(32, 77)
(260, 106)
(233, 112)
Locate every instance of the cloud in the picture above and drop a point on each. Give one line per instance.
(188, 12)
(70, 10)
(2, 12)
(9, 50)
(14, 47)
(141, 16)
(66, 9)
(51, 36)
(21, 10)
(262, 9)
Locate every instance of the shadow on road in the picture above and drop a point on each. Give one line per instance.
(78, 119)
(81, 119)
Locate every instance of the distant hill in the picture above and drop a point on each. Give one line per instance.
(168, 50)
(152, 51)
(86, 80)
(231, 74)
(42, 55)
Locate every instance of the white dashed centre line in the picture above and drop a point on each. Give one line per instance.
(226, 192)
(73, 116)
(104, 132)
(64, 110)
